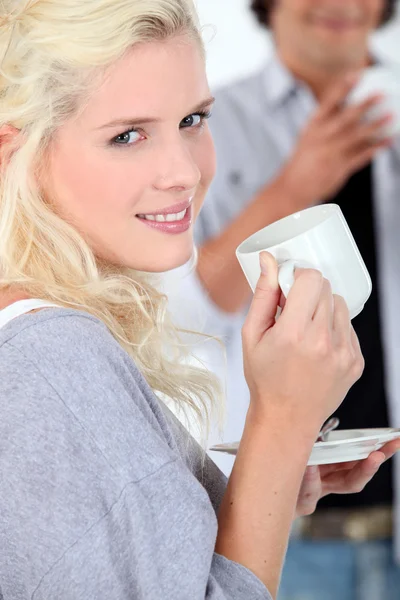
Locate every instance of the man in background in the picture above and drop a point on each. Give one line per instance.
(285, 140)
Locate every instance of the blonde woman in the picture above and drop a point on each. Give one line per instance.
(105, 162)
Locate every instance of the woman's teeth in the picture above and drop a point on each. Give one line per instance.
(164, 218)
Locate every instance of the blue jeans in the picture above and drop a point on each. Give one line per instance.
(340, 571)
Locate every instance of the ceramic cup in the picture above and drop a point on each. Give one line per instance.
(318, 238)
(382, 80)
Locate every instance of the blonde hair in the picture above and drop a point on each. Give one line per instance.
(51, 52)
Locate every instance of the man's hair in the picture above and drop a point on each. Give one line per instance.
(263, 10)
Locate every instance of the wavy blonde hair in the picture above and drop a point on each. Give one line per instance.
(52, 56)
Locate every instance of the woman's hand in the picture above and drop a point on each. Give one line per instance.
(300, 367)
(340, 478)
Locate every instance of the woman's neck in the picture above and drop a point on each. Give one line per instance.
(9, 296)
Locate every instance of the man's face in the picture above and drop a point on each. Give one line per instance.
(331, 33)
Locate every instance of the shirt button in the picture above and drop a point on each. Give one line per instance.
(235, 177)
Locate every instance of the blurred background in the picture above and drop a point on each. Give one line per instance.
(265, 136)
(237, 46)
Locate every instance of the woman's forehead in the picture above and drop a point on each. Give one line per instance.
(151, 80)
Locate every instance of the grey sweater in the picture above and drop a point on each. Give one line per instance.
(103, 495)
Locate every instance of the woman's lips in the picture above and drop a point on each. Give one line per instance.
(173, 227)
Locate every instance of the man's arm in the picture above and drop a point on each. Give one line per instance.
(218, 269)
(336, 143)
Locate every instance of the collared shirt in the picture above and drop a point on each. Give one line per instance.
(256, 123)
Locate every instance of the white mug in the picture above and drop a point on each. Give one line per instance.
(383, 80)
(318, 238)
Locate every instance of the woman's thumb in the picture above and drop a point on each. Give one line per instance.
(261, 315)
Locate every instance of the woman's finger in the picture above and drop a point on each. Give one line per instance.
(261, 315)
(324, 312)
(341, 321)
(352, 481)
(310, 492)
(303, 299)
(345, 466)
(390, 449)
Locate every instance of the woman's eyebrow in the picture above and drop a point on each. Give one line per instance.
(127, 121)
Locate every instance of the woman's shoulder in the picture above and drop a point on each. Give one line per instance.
(59, 361)
(84, 444)
(58, 339)
(61, 366)
(52, 325)
(67, 348)
(75, 356)
(70, 347)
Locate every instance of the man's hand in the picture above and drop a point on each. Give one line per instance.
(337, 142)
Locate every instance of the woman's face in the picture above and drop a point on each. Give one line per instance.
(131, 172)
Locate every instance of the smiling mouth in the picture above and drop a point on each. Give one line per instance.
(336, 22)
(165, 218)
(174, 219)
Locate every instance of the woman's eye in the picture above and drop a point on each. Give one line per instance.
(127, 138)
(195, 120)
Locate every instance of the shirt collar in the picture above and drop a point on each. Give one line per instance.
(279, 82)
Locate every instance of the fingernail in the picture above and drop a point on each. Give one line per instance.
(266, 270)
(264, 263)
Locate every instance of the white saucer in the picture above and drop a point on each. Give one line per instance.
(341, 446)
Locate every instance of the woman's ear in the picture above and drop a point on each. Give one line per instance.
(8, 141)
(8, 132)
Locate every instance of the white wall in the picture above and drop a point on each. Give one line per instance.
(236, 45)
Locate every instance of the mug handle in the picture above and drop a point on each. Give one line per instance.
(286, 273)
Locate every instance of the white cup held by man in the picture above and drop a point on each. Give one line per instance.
(318, 238)
(383, 80)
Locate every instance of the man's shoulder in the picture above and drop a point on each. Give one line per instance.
(240, 90)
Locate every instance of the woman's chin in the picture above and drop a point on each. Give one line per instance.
(165, 262)
(176, 263)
